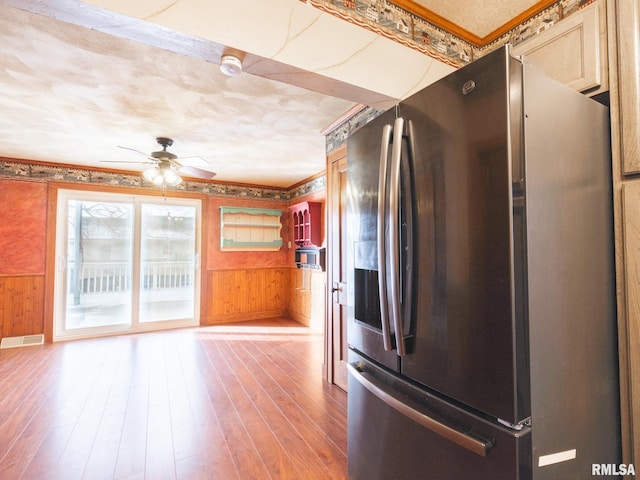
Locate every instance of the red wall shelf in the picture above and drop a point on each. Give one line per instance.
(307, 235)
(307, 230)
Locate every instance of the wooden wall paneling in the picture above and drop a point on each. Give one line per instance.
(21, 305)
(279, 289)
(267, 297)
(244, 294)
(221, 294)
(254, 296)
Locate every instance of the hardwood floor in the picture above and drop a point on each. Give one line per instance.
(227, 402)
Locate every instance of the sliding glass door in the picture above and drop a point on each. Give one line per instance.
(125, 263)
(168, 256)
(97, 264)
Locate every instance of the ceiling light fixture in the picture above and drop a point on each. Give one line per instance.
(230, 65)
(162, 174)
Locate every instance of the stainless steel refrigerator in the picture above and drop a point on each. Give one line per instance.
(482, 327)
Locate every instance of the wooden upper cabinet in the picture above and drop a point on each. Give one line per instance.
(628, 25)
(307, 221)
(574, 50)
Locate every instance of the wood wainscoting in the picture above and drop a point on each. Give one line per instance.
(251, 294)
(307, 297)
(231, 296)
(21, 305)
(246, 294)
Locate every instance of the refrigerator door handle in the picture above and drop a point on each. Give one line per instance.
(474, 444)
(393, 282)
(408, 246)
(382, 237)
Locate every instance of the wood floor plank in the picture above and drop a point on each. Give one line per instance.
(131, 458)
(292, 440)
(215, 457)
(133, 440)
(287, 371)
(17, 413)
(159, 428)
(233, 402)
(41, 444)
(104, 451)
(185, 435)
(302, 413)
(195, 427)
(21, 386)
(248, 399)
(319, 406)
(46, 455)
(77, 453)
(243, 451)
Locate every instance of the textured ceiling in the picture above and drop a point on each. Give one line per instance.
(72, 94)
(480, 17)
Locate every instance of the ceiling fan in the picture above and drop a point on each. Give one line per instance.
(166, 168)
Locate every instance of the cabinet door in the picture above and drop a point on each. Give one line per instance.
(573, 51)
(628, 24)
(631, 227)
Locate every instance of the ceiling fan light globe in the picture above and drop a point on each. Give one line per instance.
(158, 181)
(172, 178)
(152, 174)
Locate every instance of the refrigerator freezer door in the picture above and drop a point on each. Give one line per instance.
(426, 438)
(467, 321)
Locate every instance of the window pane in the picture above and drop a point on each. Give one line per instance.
(167, 252)
(99, 253)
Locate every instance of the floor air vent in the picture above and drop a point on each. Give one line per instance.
(24, 341)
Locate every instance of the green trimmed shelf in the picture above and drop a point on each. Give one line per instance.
(250, 229)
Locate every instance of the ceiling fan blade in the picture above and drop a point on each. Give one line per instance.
(196, 172)
(133, 150)
(164, 159)
(147, 162)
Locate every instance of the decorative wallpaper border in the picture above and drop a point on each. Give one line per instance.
(46, 173)
(338, 136)
(388, 20)
(391, 21)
